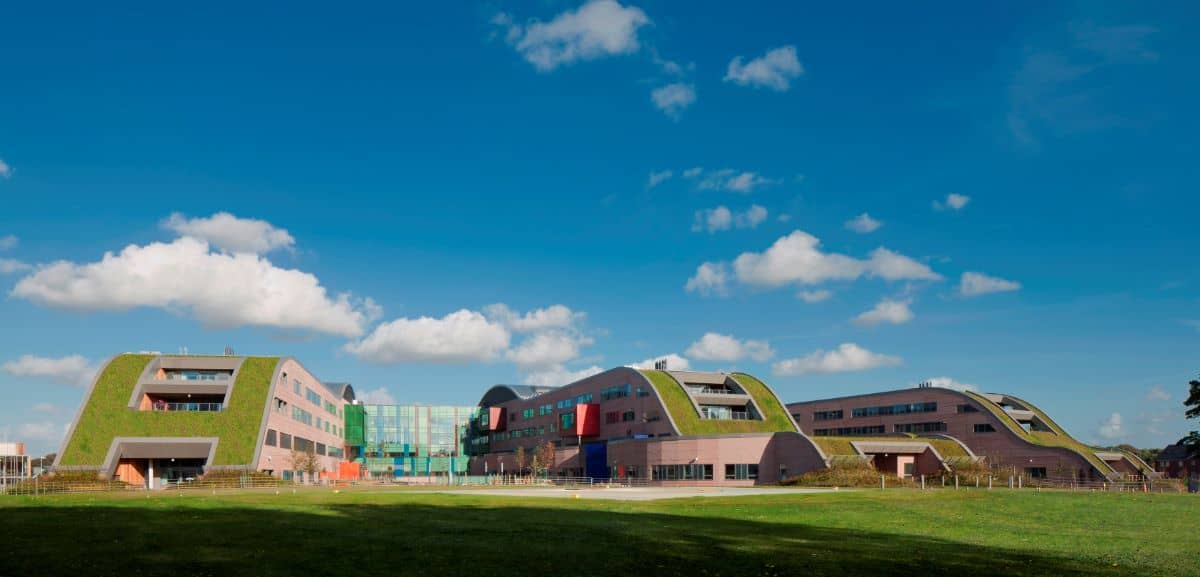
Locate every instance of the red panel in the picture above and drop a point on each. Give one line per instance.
(587, 419)
(496, 419)
(348, 471)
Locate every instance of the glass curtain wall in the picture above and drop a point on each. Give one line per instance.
(413, 440)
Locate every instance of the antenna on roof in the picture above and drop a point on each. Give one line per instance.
(228, 351)
(660, 365)
(925, 385)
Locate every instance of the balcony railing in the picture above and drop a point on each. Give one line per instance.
(193, 407)
(708, 391)
(728, 416)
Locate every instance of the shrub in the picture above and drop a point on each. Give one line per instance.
(842, 473)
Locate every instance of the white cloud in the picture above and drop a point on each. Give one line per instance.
(721, 218)
(72, 370)
(558, 375)
(718, 347)
(380, 396)
(674, 363)
(657, 178)
(974, 284)
(546, 349)
(886, 311)
(949, 383)
(728, 179)
(230, 233)
(797, 258)
(673, 98)
(8, 266)
(847, 357)
(221, 290)
(46, 432)
(596, 29)
(459, 337)
(710, 278)
(1157, 393)
(1111, 428)
(953, 202)
(8, 242)
(784, 218)
(693, 172)
(45, 408)
(551, 317)
(812, 297)
(774, 70)
(5, 169)
(863, 224)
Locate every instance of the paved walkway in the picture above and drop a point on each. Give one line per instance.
(632, 493)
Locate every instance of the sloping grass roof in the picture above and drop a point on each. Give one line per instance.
(842, 445)
(106, 414)
(687, 419)
(1060, 439)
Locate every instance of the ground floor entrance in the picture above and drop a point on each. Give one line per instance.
(158, 473)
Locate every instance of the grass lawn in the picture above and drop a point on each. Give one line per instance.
(317, 532)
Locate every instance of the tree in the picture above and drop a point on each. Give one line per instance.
(519, 457)
(543, 458)
(307, 462)
(1192, 441)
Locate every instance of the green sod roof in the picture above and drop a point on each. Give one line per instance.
(1059, 438)
(842, 445)
(687, 419)
(106, 414)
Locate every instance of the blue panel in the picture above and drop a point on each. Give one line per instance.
(595, 457)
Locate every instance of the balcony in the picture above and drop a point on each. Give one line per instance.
(191, 407)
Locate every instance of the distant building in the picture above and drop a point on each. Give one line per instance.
(408, 441)
(1174, 462)
(151, 419)
(652, 425)
(14, 463)
(909, 431)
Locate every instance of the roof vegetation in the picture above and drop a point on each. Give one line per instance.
(106, 414)
(842, 445)
(1059, 438)
(687, 419)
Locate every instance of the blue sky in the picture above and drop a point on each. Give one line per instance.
(360, 188)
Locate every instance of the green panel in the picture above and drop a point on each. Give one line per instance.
(687, 419)
(106, 414)
(354, 417)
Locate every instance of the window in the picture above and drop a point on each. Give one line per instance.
(984, 428)
(566, 421)
(527, 413)
(611, 417)
(280, 406)
(850, 431)
(302, 415)
(919, 427)
(735, 472)
(318, 422)
(616, 392)
(296, 386)
(642, 392)
(331, 409)
(546, 409)
(302, 444)
(566, 403)
(326, 426)
(903, 409)
(512, 417)
(967, 408)
(321, 449)
(270, 438)
(312, 396)
(583, 399)
(696, 472)
(827, 415)
(628, 416)
(1036, 472)
(285, 441)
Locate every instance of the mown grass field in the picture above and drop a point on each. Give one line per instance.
(318, 532)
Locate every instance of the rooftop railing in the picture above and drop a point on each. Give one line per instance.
(193, 407)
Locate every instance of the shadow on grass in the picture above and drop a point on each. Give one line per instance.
(420, 539)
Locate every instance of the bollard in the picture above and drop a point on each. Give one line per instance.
(1020, 479)
(989, 482)
(882, 483)
(1010, 482)
(976, 481)
(943, 481)
(922, 482)
(956, 482)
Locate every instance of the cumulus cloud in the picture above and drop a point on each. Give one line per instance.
(953, 202)
(813, 297)
(710, 278)
(949, 383)
(974, 284)
(718, 347)
(547, 349)
(46, 432)
(460, 337)
(5, 170)
(775, 69)
(863, 224)
(8, 242)
(657, 178)
(798, 259)
(1157, 393)
(744, 181)
(9, 266)
(72, 370)
(597, 29)
(673, 98)
(721, 218)
(551, 317)
(218, 289)
(230, 233)
(895, 312)
(845, 358)
(674, 363)
(558, 375)
(693, 172)
(380, 396)
(1111, 428)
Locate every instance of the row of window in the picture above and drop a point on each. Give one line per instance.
(736, 472)
(938, 427)
(286, 441)
(901, 409)
(312, 396)
(850, 431)
(527, 432)
(615, 417)
(697, 472)
(827, 415)
(616, 392)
